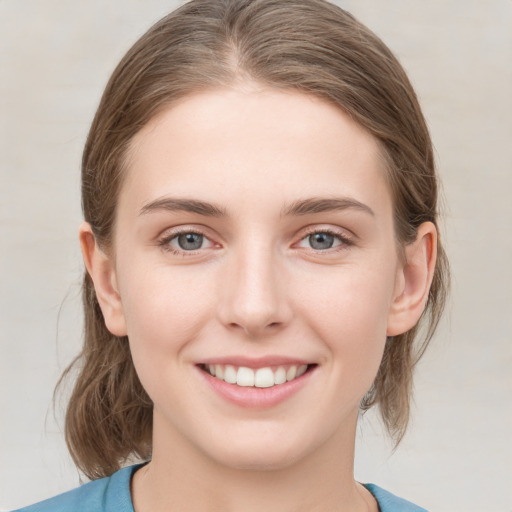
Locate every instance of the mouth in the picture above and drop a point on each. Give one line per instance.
(264, 377)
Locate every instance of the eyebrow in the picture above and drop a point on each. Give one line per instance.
(319, 205)
(184, 205)
(297, 208)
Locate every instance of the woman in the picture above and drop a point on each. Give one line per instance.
(261, 245)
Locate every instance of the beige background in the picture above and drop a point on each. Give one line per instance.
(55, 58)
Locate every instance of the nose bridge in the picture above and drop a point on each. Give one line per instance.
(253, 299)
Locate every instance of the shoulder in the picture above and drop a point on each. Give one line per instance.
(104, 495)
(390, 503)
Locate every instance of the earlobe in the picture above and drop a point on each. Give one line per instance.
(413, 281)
(101, 269)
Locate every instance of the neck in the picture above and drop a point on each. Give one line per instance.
(179, 477)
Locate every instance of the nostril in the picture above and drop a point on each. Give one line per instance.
(272, 325)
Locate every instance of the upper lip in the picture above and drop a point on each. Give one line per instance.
(255, 362)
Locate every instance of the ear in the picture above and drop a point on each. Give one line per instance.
(102, 271)
(414, 278)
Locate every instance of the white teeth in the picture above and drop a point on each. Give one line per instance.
(230, 374)
(291, 373)
(280, 376)
(264, 378)
(301, 370)
(245, 377)
(260, 378)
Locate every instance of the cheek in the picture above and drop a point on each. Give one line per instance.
(165, 312)
(349, 312)
(164, 308)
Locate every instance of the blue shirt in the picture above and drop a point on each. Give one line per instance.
(112, 494)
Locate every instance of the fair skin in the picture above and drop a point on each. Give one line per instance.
(290, 259)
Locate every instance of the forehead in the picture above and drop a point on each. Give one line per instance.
(252, 144)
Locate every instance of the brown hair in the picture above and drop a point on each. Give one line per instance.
(306, 45)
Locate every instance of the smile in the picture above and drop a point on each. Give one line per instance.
(265, 377)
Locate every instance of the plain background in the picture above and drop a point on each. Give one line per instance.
(55, 58)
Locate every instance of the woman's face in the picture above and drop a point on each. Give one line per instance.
(254, 236)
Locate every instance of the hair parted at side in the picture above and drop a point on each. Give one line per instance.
(307, 45)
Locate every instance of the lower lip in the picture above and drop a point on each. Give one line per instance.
(253, 397)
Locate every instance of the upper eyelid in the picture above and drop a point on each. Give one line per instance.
(179, 230)
(169, 235)
(344, 240)
(341, 232)
(165, 242)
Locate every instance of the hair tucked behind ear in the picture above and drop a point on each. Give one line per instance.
(307, 45)
(109, 416)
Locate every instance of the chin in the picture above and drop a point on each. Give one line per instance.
(260, 460)
(260, 452)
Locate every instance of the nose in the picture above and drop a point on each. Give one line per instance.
(254, 296)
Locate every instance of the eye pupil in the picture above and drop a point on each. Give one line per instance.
(190, 241)
(321, 241)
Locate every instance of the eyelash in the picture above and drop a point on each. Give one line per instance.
(165, 242)
(345, 240)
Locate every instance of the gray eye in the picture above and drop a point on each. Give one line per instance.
(190, 241)
(319, 241)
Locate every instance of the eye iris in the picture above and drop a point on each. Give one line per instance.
(321, 240)
(190, 241)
